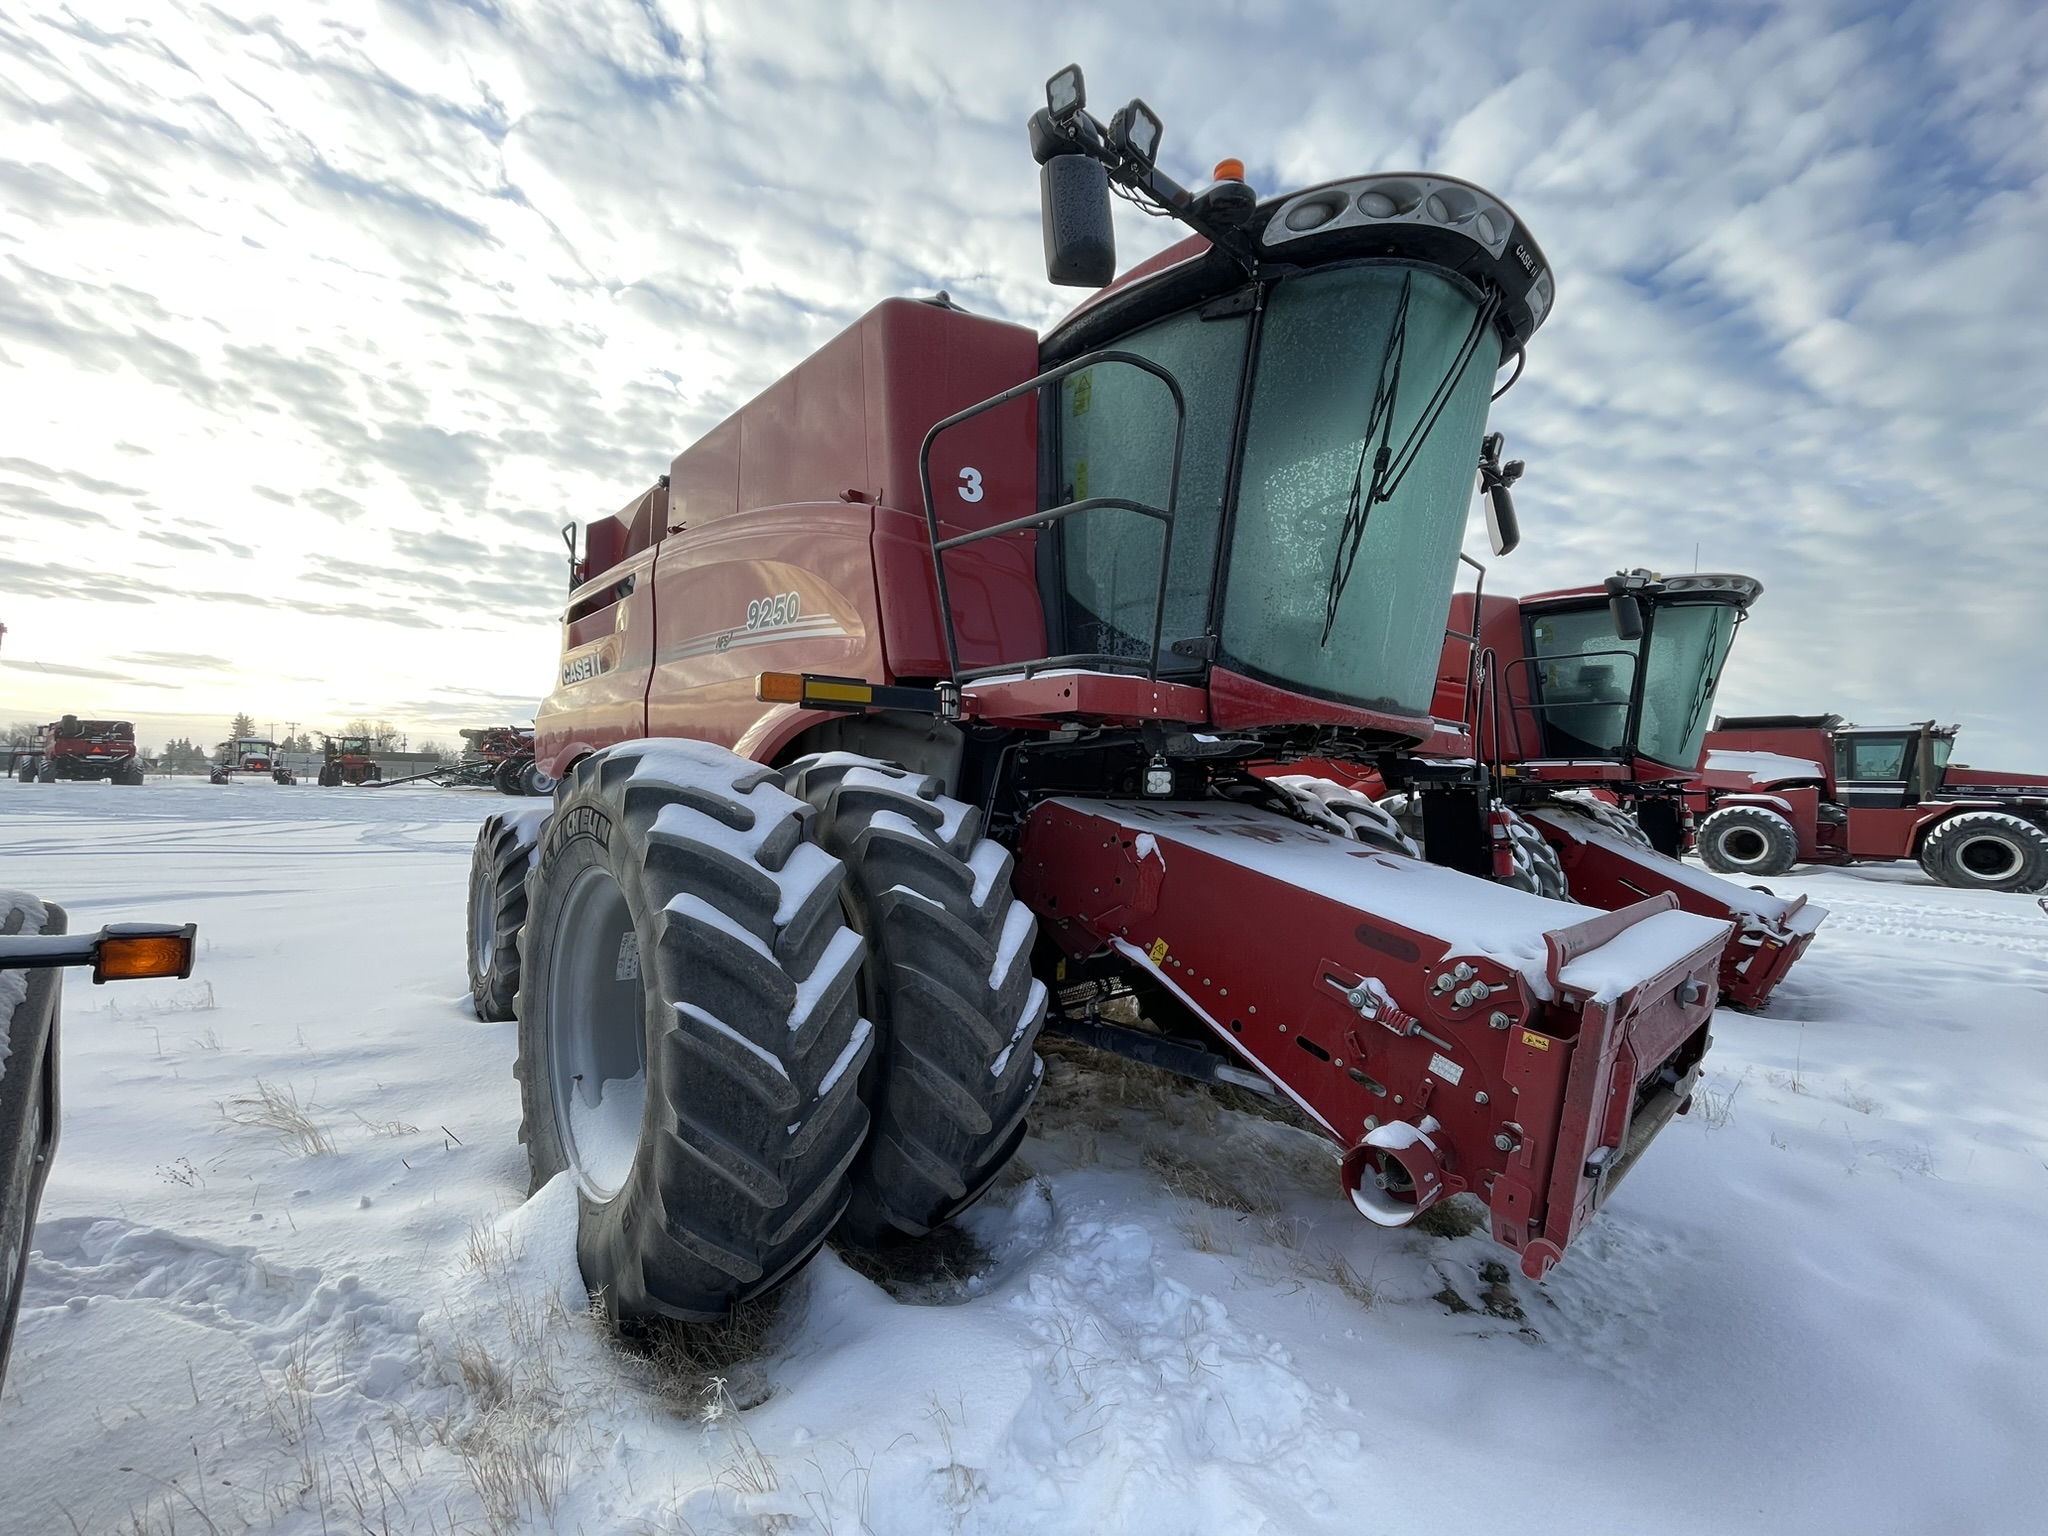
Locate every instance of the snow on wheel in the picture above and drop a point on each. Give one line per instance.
(948, 983)
(690, 1040)
(1987, 851)
(1348, 811)
(28, 1099)
(497, 906)
(1537, 868)
(1611, 819)
(1748, 840)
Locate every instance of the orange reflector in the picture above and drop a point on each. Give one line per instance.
(122, 958)
(1228, 170)
(780, 688)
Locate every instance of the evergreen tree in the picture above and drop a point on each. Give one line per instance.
(243, 726)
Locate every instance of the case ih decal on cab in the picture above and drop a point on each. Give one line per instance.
(591, 663)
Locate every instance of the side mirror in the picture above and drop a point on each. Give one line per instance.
(1080, 241)
(1626, 612)
(1501, 528)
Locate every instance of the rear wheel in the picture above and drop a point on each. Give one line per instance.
(505, 777)
(1748, 840)
(1536, 868)
(1347, 810)
(533, 782)
(1987, 851)
(27, 771)
(690, 1039)
(47, 774)
(497, 908)
(129, 772)
(947, 982)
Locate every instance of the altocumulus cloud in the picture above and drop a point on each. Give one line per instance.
(315, 320)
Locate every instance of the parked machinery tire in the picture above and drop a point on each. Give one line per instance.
(690, 1038)
(27, 771)
(129, 772)
(533, 782)
(1748, 840)
(330, 776)
(1349, 811)
(1987, 851)
(46, 772)
(947, 983)
(505, 777)
(498, 867)
(28, 1100)
(217, 776)
(1537, 868)
(1611, 819)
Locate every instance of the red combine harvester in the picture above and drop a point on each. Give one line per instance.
(1784, 789)
(1567, 727)
(959, 647)
(72, 748)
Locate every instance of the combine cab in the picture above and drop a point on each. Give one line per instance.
(249, 755)
(72, 748)
(1568, 724)
(938, 677)
(1785, 789)
(348, 760)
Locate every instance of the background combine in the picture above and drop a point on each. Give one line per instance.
(942, 675)
(73, 749)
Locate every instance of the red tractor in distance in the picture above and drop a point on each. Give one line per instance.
(348, 760)
(929, 688)
(72, 748)
(1775, 790)
(1567, 726)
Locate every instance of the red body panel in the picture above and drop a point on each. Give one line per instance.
(1238, 703)
(807, 501)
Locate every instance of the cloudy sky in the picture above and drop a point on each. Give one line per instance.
(317, 321)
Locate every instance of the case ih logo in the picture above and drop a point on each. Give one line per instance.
(1522, 255)
(583, 668)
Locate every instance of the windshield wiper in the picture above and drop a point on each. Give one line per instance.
(1390, 466)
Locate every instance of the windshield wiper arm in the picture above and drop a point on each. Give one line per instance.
(1389, 467)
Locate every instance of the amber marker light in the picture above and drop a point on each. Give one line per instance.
(780, 688)
(1228, 170)
(140, 956)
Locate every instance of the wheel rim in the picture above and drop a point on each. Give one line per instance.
(1988, 857)
(1743, 845)
(538, 783)
(596, 1034)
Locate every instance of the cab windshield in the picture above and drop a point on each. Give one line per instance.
(1353, 483)
(1585, 681)
(1688, 646)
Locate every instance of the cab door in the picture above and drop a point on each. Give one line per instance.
(1874, 779)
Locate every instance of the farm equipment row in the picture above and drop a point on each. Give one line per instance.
(1814, 789)
(497, 757)
(966, 674)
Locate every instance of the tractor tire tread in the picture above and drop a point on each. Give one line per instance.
(756, 1048)
(948, 983)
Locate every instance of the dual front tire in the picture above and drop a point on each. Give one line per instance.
(753, 1007)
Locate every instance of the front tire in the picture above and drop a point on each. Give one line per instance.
(1748, 840)
(1536, 867)
(1987, 851)
(690, 1041)
(948, 984)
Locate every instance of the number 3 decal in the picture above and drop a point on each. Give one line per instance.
(970, 485)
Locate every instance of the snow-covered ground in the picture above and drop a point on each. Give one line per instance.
(1820, 1303)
